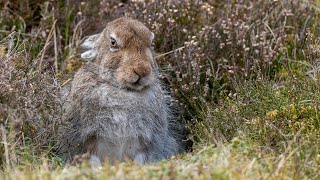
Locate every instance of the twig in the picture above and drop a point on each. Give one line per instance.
(75, 31)
(66, 82)
(6, 152)
(55, 50)
(268, 27)
(47, 43)
(23, 34)
(164, 54)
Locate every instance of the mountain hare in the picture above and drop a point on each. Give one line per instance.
(116, 108)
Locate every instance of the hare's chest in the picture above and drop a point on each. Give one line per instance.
(124, 125)
(118, 149)
(123, 114)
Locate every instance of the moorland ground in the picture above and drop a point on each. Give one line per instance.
(244, 76)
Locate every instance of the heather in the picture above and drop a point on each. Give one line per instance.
(243, 75)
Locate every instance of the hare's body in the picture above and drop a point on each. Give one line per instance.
(110, 114)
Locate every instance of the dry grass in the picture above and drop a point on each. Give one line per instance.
(30, 106)
(245, 75)
(238, 160)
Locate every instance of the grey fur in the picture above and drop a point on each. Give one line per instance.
(123, 123)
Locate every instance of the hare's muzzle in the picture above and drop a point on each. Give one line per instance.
(142, 71)
(135, 73)
(140, 76)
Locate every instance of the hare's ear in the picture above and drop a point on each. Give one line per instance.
(88, 47)
(89, 42)
(89, 55)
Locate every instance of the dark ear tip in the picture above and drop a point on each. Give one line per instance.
(84, 48)
(88, 42)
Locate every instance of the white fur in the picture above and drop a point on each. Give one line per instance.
(95, 161)
(89, 55)
(140, 158)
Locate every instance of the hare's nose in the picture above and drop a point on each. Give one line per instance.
(142, 71)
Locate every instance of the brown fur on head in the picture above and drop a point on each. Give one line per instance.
(124, 48)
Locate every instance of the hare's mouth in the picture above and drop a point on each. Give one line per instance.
(136, 83)
(138, 86)
(142, 84)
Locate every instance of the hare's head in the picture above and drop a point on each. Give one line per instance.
(125, 49)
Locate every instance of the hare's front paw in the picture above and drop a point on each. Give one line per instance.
(95, 162)
(78, 159)
(140, 158)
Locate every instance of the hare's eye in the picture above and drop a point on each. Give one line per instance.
(113, 43)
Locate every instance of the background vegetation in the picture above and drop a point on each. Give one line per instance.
(244, 74)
